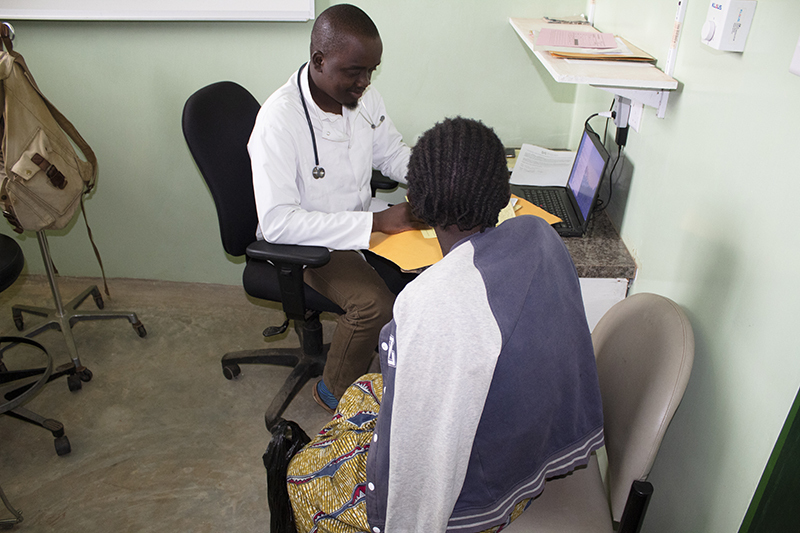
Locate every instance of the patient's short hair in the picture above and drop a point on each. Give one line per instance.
(458, 175)
(337, 23)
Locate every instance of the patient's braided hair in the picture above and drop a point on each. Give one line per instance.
(458, 175)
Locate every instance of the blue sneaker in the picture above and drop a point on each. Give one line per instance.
(324, 397)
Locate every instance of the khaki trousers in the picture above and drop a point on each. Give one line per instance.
(352, 284)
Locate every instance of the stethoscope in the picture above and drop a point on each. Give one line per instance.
(318, 172)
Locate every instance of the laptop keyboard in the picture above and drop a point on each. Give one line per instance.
(550, 201)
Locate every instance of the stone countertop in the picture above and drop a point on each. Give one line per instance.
(600, 253)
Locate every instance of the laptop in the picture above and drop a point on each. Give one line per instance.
(573, 203)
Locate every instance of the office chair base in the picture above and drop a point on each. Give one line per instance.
(305, 368)
(64, 317)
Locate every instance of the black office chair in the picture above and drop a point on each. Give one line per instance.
(217, 122)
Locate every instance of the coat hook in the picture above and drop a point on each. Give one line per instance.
(10, 30)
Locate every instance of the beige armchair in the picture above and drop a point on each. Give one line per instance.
(644, 347)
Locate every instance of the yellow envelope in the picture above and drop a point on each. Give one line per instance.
(411, 251)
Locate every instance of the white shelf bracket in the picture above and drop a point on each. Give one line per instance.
(649, 97)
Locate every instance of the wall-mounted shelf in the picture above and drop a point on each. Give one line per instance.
(638, 81)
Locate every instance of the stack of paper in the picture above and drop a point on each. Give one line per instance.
(556, 35)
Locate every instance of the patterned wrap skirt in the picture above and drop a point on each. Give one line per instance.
(327, 479)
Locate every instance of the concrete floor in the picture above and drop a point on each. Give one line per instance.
(161, 441)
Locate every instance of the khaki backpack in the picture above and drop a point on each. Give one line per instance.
(43, 179)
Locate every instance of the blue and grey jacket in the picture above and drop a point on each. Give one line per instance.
(490, 384)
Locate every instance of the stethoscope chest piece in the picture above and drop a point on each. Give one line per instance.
(318, 173)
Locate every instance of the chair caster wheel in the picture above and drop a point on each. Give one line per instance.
(62, 445)
(84, 374)
(98, 299)
(139, 327)
(231, 371)
(74, 382)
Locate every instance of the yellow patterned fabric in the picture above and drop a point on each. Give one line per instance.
(327, 479)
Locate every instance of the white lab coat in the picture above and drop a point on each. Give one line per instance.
(295, 208)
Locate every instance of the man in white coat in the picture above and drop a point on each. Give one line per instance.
(313, 148)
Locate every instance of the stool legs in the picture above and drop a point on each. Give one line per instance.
(8, 523)
(64, 317)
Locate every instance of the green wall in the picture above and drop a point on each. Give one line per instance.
(702, 236)
(685, 199)
(123, 85)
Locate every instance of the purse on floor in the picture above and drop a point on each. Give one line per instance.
(288, 438)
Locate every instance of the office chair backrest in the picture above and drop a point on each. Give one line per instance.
(217, 121)
(645, 348)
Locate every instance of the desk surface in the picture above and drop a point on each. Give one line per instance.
(600, 253)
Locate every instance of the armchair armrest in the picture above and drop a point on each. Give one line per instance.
(293, 254)
(635, 507)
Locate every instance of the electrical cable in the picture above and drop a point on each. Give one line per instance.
(600, 204)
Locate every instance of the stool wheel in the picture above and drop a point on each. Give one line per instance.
(139, 328)
(62, 445)
(74, 382)
(231, 371)
(18, 322)
(84, 374)
(98, 298)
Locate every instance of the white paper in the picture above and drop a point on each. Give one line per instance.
(575, 39)
(539, 166)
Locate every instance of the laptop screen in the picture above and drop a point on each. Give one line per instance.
(589, 165)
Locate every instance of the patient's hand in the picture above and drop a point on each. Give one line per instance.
(396, 219)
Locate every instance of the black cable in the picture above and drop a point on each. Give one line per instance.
(605, 130)
(602, 204)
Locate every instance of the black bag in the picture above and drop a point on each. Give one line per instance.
(288, 438)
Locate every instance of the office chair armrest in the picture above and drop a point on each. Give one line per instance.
(293, 254)
(379, 182)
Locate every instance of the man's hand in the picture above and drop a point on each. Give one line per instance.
(396, 219)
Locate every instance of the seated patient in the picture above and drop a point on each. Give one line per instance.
(489, 383)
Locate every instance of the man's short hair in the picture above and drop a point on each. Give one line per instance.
(337, 23)
(458, 175)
